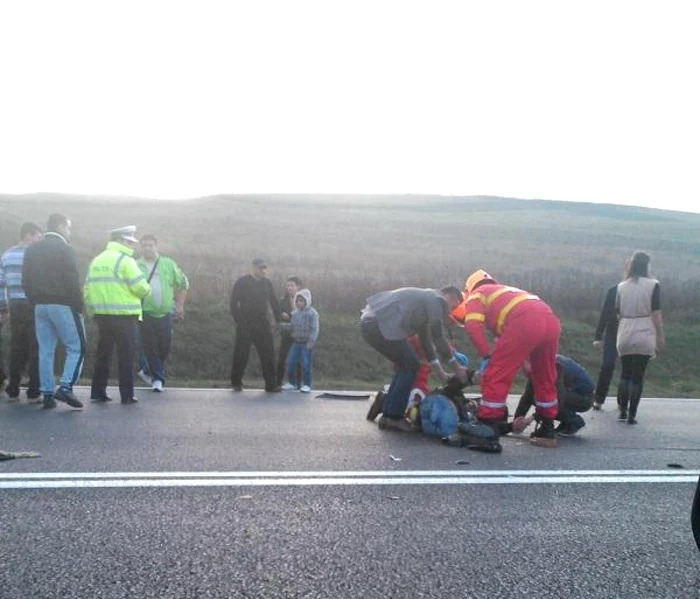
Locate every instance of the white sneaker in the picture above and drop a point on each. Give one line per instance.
(289, 387)
(158, 385)
(144, 377)
(305, 389)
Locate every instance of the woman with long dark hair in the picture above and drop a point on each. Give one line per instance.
(640, 333)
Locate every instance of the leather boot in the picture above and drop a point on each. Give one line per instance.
(635, 397)
(623, 395)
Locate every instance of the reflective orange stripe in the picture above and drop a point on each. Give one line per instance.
(475, 316)
(509, 306)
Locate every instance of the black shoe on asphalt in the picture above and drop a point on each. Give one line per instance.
(12, 392)
(376, 407)
(544, 435)
(103, 399)
(237, 388)
(49, 403)
(631, 420)
(67, 396)
(623, 415)
(32, 395)
(273, 389)
(130, 401)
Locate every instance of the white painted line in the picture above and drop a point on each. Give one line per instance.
(345, 474)
(298, 479)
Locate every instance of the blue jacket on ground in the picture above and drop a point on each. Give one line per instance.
(439, 417)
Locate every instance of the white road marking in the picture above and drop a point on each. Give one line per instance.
(91, 480)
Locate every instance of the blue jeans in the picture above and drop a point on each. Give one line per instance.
(299, 351)
(405, 361)
(54, 323)
(156, 337)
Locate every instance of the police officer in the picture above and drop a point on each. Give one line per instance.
(114, 289)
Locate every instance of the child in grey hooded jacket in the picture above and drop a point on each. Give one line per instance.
(303, 328)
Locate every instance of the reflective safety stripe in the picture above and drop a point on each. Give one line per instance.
(546, 404)
(477, 296)
(475, 316)
(134, 280)
(100, 308)
(493, 404)
(117, 265)
(496, 294)
(509, 306)
(102, 280)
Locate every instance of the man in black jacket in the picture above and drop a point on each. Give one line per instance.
(250, 297)
(52, 285)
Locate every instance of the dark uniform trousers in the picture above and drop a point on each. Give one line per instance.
(119, 332)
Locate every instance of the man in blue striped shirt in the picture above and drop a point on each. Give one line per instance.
(14, 305)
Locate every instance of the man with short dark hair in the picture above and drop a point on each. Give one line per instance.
(388, 320)
(251, 296)
(52, 285)
(14, 304)
(166, 302)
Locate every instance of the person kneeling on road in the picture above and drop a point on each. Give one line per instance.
(526, 329)
(388, 320)
(575, 388)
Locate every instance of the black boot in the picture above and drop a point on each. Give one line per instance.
(635, 396)
(544, 435)
(623, 393)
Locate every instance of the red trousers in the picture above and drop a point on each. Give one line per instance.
(531, 333)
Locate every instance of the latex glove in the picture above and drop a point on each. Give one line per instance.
(461, 359)
(483, 365)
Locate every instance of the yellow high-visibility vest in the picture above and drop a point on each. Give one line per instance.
(115, 284)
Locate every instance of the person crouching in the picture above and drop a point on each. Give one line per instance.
(304, 327)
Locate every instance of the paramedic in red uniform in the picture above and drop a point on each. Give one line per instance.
(525, 328)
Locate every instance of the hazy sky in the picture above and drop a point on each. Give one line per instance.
(588, 101)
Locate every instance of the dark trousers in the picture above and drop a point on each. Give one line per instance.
(156, 338)
(114, 331)
(3, 376)
(570, 403)
(629, 390)
(24, 351)
(259, 333)
(607, 368)
(406, 364)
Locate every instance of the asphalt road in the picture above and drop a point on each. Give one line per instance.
(196, 493)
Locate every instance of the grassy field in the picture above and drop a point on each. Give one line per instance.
(347, 247)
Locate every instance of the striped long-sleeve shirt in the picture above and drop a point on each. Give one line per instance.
(11, 276)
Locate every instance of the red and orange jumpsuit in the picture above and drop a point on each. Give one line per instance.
(526, 329)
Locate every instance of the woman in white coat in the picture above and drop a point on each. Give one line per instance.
(640, 334)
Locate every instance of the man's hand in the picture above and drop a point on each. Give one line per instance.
(285, 316)
(461, 372)
(179, 312)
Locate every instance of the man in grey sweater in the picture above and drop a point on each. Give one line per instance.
(388, 320)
